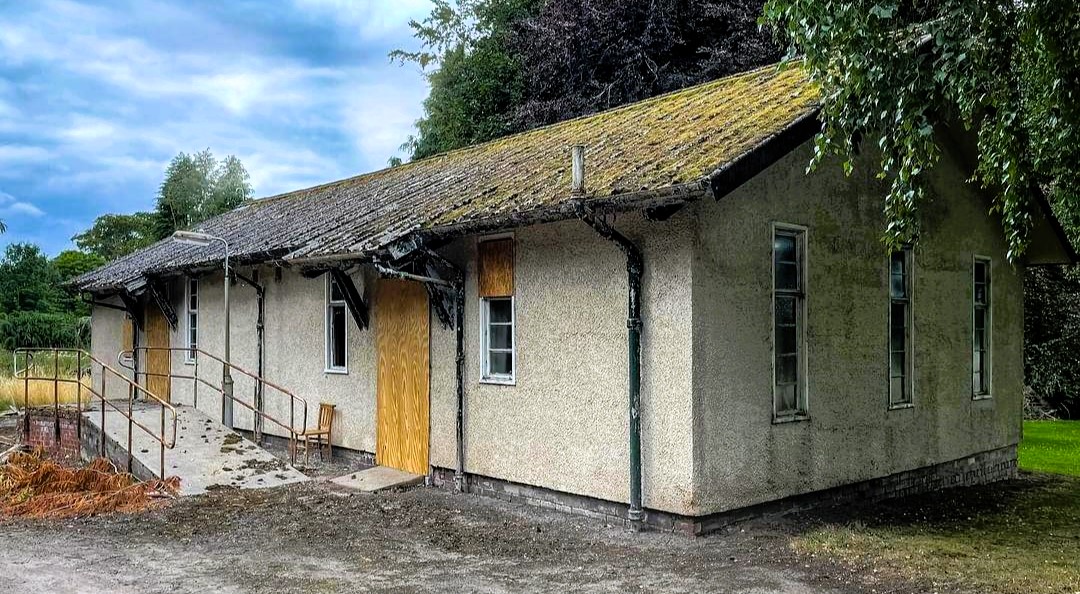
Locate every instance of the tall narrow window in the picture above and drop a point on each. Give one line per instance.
(192, 318)
(901, 362)
(495, 279)
(498, 339)
(337, 331)
(789, 278)
(981, 318)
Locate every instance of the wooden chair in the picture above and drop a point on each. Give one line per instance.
(321, 434)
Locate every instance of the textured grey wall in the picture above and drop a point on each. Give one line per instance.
(741, 457)
(564, 425)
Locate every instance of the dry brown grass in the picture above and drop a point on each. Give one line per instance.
(33, 486)
(13, 392)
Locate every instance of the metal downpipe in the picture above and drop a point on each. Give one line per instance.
(635, 269)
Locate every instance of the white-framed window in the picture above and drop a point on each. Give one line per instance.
(337, 328)
(191, 300)
(901, 348)
(982, 325)
(789, 322)
(498, 356)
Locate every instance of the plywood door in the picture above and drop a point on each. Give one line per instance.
(402, 326)
(158, 362)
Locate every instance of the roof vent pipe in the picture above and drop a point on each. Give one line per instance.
(578, 184)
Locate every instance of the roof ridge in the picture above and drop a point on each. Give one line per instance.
(777, 67)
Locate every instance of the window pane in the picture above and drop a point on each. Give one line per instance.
(784, 248)
(785, 310)
(899, 264)
(786, 340)
(499, 310)
(896, 364)
(787, 277)
(787, 369)
(500, 337)
(337, 335)
(896, 389)
(980, 319)
(501, 364)
(335, 291)
(785, 396)
(897, 339)
(976, 381)
(980, 273)
(898, 316)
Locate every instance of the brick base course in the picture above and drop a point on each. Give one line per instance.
(57, 434)
(982, 468)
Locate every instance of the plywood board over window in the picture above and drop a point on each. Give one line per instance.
(495, 267)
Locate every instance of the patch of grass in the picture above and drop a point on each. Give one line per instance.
(12, 392)
(1019, 537)
(1051, 446)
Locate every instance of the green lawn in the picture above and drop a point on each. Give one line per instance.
(1018, 537)
(1051, 446)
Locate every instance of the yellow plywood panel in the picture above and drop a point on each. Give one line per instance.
(127, 337)
(402, 327)
(158, 362)
(495, 267)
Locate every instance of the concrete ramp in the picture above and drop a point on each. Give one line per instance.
(207, 454)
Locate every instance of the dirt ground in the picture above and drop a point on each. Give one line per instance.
(312, 538)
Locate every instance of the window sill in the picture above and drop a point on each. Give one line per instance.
(904, 406)
(495, 381)
(189, 362)
(977, 397)
(336, 371)
(794, 418)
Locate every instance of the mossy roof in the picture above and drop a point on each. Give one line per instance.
(664, 142)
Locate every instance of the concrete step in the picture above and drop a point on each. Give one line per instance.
(207, 454)
(378, 478)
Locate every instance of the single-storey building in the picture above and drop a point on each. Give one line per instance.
(652, 313)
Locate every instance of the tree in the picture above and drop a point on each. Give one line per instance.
(3, 227)
(28, 282)
(510, 65)
(893, 73)
(197, 187)
(477, 85)
(116, 235)
(582, 56)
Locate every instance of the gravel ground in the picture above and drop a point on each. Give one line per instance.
(311, 538)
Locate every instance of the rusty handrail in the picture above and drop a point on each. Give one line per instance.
(290, 428)
(80, 373)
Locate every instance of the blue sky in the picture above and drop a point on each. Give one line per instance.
(97, 97)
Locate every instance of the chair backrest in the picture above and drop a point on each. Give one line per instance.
(326, 415)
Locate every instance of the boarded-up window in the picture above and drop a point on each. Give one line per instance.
(127, 336)
(495, 264)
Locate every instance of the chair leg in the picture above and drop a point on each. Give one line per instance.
(330, 443)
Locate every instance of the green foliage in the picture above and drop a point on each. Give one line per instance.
(477, 84)
(28, 281)
(197, 187)
(68, 265)
(504, 66)
(116, 235)
(1052, 337)
(891, 72)
(3, 227)
(39, 329)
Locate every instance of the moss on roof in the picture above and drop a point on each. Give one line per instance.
(665, 141)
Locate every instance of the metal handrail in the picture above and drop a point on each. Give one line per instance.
(133, 389)
(294, 401)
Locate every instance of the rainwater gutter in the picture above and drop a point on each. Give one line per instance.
(635, 269)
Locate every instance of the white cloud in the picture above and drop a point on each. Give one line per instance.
(370, 18)
(9, 206)
(22, 153)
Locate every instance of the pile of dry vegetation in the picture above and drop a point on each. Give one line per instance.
(33, 486)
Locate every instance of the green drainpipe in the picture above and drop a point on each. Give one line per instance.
(635, 269)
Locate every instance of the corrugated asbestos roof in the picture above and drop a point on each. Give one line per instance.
(651, 146)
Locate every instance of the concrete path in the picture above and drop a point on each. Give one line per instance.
(378, 478)
(207, 454)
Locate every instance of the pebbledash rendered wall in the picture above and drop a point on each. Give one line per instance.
(741, 457)
(563, 426)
